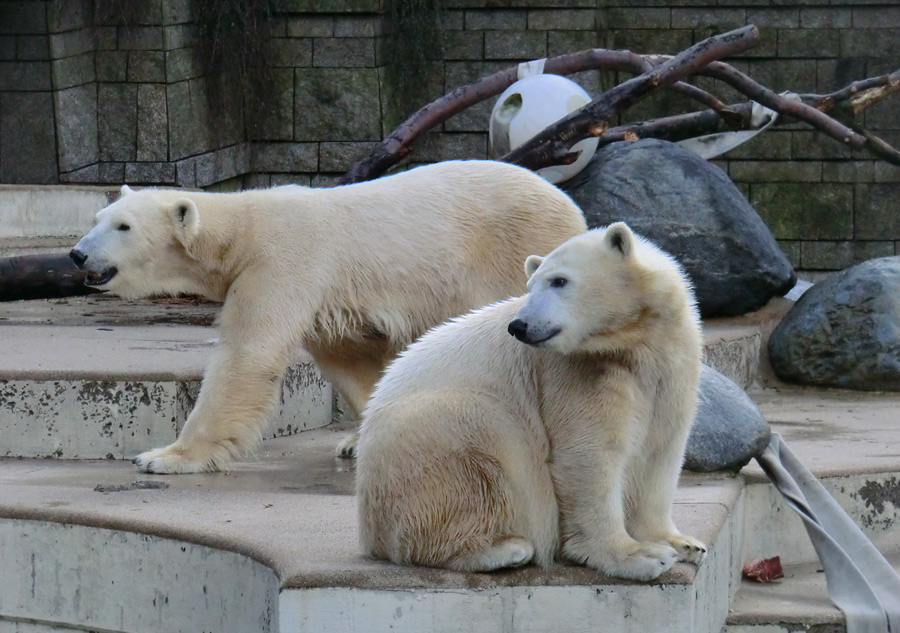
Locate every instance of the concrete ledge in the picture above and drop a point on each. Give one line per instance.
(77, 577)
(41, 214)
(94, 392)
(291, 509)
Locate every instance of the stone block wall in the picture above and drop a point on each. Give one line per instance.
(102, 91)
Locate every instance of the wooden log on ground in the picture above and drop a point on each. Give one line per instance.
(40, 277)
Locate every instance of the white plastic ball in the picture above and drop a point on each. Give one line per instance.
(532, 104)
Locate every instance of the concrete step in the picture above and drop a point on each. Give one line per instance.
(284, 524)
(798, 602)
(94, 384)
(292, 510)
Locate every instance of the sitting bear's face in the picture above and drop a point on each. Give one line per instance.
(585, 296)
(137, 247)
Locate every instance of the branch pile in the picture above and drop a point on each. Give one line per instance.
(652, 73)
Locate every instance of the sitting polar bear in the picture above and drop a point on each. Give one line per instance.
(479, 452)
(353, 273)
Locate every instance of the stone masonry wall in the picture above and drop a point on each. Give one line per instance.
(107, 91)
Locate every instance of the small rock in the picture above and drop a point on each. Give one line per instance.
(729, 429)
(691, 209)
(844, 331)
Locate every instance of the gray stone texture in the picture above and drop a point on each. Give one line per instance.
(182, 64)
(286, 157)
(693, 211)
(73, 71)
(71, 43)
(23, 17)
(146, 67)
(339, 157)
(117, 121)
(150, 173)
(152, 134)
(27, 138)
(111, 65)
(8, 47)
(289, 52)
(729, 430)
(844, 331)
(24, 76)
(187, 103)
(811, 211)
(345, 52)
(272, 118)
(76, 127)
(32, 48)
(66, 15)
(336, 104)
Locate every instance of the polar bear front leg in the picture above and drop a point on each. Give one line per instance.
(237, 396)
(653, 481)
(590, 477)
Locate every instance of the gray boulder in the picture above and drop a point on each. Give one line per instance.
(729, 429)
(844, 331)
(691, 209)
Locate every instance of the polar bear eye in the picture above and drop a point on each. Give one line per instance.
(123, 227)
(558, 282)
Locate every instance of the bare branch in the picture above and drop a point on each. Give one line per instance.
(761, 94)
(866, 91)
(589, 120)
(396, 146)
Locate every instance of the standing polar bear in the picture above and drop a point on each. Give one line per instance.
(354, 274)
(479, 452)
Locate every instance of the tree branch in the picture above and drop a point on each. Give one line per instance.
(591, 120)
(396, 146)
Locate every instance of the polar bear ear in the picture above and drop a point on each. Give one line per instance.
(532, 262)
(187, 219)
(620, 238)
(125, 190)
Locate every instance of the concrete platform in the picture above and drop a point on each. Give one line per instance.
(271, 544)
(97, 377)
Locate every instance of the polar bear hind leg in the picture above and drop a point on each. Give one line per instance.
(511, 552)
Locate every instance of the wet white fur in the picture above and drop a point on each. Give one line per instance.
(479, 452)
(352, 273)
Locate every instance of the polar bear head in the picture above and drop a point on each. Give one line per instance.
(139, 245)
(602, 290)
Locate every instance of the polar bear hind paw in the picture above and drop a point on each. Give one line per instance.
(512, 552)
(173, 460)
(689, 549)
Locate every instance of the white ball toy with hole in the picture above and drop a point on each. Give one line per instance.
(530, 105)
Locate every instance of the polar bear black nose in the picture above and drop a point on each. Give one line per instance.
(518, 328)
(78, 257)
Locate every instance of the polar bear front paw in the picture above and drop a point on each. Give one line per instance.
(175, 460)
(347, 446)
(649, 561)
(689, 549)
(637, 560)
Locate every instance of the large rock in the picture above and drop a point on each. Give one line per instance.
(692, 210)
(844, 331)
(729, 429)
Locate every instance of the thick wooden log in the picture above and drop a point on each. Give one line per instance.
(40, 277)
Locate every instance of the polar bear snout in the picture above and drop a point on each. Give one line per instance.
(519, 329)
(95, 276)
(78, 257)
(532, 335)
